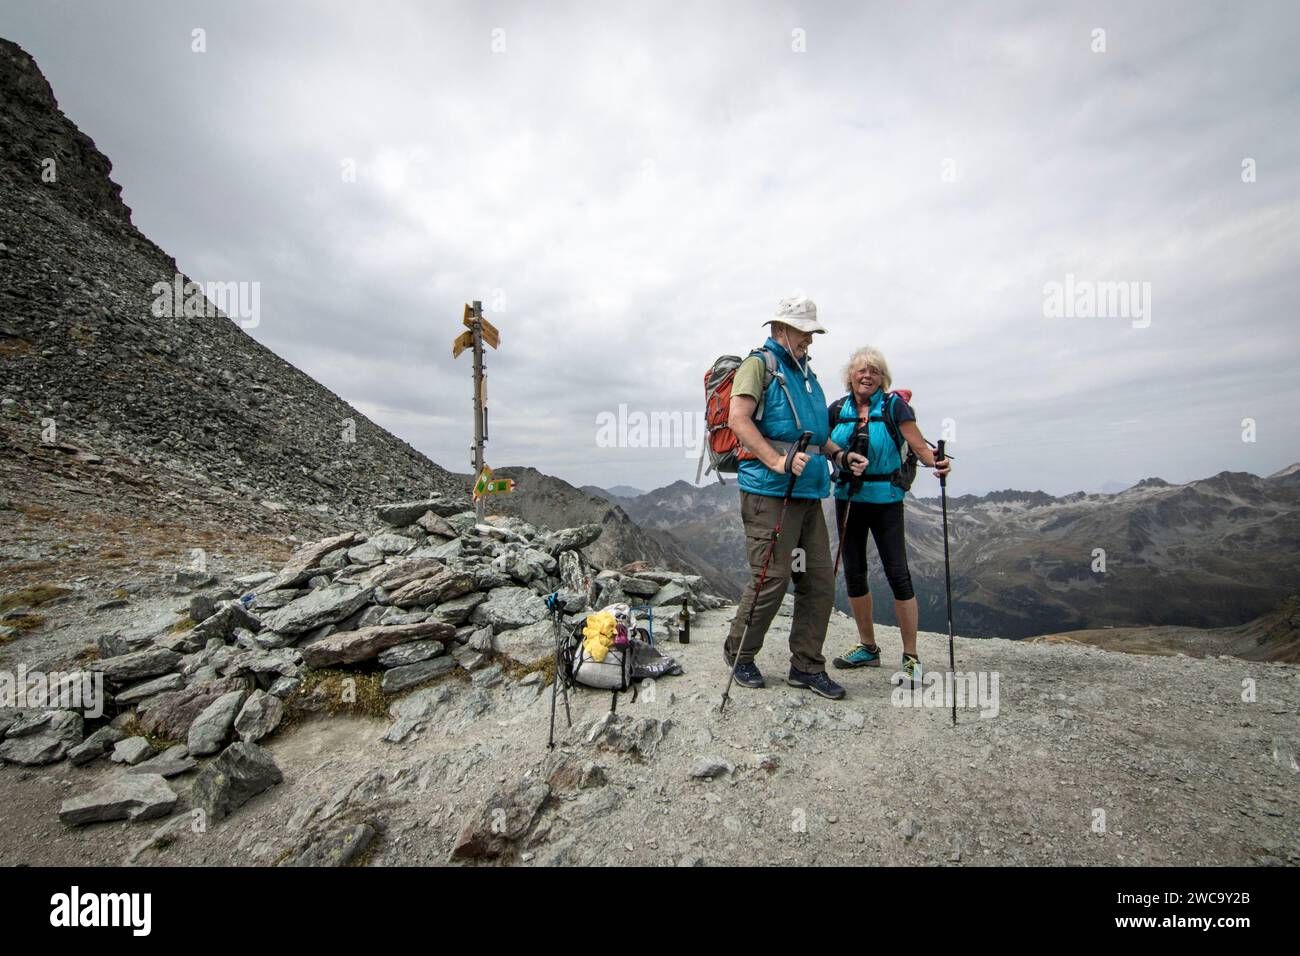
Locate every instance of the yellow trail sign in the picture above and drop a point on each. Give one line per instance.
(491, 335)
(464, 341)
(487, 485)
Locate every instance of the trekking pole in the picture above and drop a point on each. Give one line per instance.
(553, 604)
(855, 485)
(798, 448)
(947, 575)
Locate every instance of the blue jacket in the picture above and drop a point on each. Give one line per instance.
(883, 456)
(778, 424)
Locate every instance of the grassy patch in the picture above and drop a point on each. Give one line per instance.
(357, 693)
(23, 623)
(132, 729)
(184, 624)
(35, 511)
(33, 596)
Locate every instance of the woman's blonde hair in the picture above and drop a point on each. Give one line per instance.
(873, 358)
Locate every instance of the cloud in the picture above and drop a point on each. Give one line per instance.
(630, 191)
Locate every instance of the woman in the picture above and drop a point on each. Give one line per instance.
(877, 507)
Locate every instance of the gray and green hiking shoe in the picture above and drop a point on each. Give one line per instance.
(909, 673)
(858, 656)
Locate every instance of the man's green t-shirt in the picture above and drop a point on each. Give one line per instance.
(749, 379)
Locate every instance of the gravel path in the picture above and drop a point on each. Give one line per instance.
(1184, 770)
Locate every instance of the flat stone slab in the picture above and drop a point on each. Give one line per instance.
(132, 796)
(352, 647)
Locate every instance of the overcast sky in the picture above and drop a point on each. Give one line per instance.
(630, 192)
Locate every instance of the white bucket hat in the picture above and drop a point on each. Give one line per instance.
(798, 312)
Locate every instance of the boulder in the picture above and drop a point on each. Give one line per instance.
(169, 715)
(365, 554)
(411, 653)
(670, 593)
(351, 647)
(130, 796)
(443, 586)
(573, 573)
(136, 666)
(706, 768)
(336, 848)
(391, 577)
(317, 609)
(570, 539)
(241, 772)
(508, 608)
(400, 678)
(639, 587)
(527, 645)
(436, 525)
(457, 610)
(336, 560)
(211, 728)
(505, 817)
(302, 562)
(224, 622)
(96, 745)
(442, 552)
(403, 513)
(132, 750)
(273, 599)
(42, 738)
(259, 716)
(389, 543)
(143, 691)
(170, 763)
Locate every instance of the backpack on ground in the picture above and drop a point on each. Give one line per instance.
(612, 673)
(723, 448)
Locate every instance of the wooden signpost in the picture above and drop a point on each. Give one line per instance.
(480, 331)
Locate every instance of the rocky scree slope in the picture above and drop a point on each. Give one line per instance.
(195, 397)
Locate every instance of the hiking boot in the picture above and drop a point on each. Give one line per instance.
(858, 656)
(909, 673)
(819, 683)
(748, 675)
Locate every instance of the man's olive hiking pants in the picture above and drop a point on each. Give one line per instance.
(804, 553)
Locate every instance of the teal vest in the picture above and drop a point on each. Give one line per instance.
(883, 456)
(778, 424)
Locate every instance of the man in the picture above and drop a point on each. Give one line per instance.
(792, 402)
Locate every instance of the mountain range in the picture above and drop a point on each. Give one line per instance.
(1211, 553)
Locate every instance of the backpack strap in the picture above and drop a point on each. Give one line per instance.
(772, 370)
(887, 415)
(904, 460)
(836, 409)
